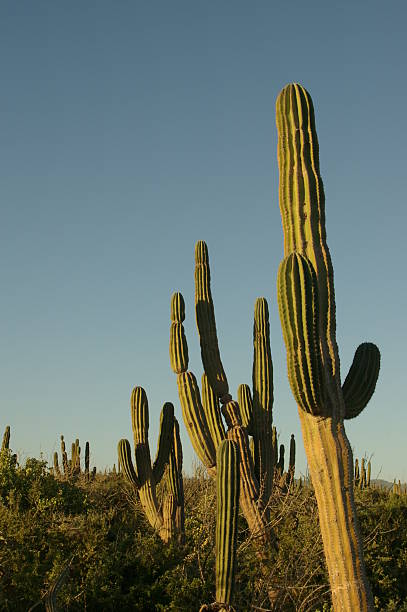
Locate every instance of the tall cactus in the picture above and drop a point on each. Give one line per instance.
(227, 507)
(145, 476)
(307, 312)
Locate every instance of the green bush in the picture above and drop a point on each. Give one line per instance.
(118, 562)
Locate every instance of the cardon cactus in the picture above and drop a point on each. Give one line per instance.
(307, 312)
(227, 509)
(203, 416)
(145, 476)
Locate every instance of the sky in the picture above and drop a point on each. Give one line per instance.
(130, 130)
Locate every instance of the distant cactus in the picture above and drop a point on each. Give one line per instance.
(6, 439)
(307, 312)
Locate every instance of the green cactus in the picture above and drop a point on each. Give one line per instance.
(176, 487)
(146, 476)
(369, 473)
(56, 465)
(227, 507)
(87, 460)
(291, 465)
(6, 439)
(203, 419)
(307, 312)
(262, 399)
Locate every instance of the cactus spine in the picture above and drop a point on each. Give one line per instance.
(307, 312)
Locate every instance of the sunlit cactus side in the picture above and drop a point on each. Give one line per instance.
(227, 508)
(143, 476)
(245, 401)
(6, 439)
(307, 312)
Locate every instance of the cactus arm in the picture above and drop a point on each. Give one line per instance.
(205, 319)
(126, 463)
(175, 482)
(298, 307)
(210, 403)
(194, 414)
(262, 397)
(147, 488)
(165, 438)
(245, 401)
(227, 507)
(195, 419)
(361, 380)
(178, 342)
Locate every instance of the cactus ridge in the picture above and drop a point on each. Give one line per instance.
(245, 401)
(210, 403)
(205, 319)
(227, 506)
(165, 439)
(195, 418)
(139, 415)
(361, 380)
(298, 306)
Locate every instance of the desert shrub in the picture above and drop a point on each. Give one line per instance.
(118, 562)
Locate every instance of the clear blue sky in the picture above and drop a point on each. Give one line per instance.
(131, 129)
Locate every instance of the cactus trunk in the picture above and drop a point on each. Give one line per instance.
(326, 446)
